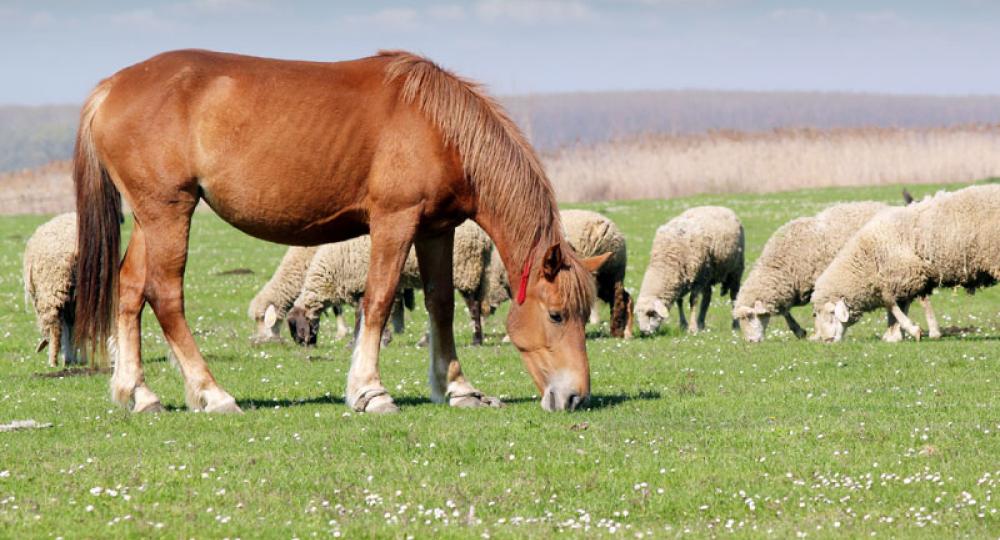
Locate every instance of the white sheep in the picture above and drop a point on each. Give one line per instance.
(951, 239)
(338, 274)
(49, 281)
(691, 253)
(784, 275)
(589, 234)
(270, 306)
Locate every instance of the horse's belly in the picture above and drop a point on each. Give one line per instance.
(300, 214)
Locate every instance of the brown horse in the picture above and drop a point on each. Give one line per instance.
(305, 153)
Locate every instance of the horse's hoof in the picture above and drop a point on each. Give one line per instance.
(934, 335)
(152, 407)
(475, 401)
(381, 405)
(224, 407)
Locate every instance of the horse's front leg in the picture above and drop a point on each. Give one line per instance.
(391, 237)
(434, 257)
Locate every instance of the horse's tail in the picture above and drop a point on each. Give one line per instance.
(98, 213)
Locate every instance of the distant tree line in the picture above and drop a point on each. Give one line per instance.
(31, 136)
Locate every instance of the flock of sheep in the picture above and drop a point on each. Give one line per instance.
(849, 259)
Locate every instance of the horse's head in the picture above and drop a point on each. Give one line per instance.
(546, 323)
(303, 325)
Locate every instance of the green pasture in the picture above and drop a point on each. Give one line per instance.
(702, 436)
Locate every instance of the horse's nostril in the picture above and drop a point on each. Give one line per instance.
(574, 401)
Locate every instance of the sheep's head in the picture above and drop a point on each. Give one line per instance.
(650, 312)
(268, 326)
(832, 320)
(753, 321)
(303, 325)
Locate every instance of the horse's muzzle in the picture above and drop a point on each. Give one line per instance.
(562, 400)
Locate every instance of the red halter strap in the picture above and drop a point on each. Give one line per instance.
(522, 289)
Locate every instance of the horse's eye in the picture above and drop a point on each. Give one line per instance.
(556, 317)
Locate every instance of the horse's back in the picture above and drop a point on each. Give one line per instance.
(284, 150)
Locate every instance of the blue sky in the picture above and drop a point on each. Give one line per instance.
(53, 52)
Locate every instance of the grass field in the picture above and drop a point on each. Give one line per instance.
(703, 435)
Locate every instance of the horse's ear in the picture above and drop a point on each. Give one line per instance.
(593, 264)
(553, 262)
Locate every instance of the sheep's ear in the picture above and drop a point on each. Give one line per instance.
(758, 308)
(593, 264)
(41, 345)
(661, 308)
(841, 312)
(270, 316)
(741, 311)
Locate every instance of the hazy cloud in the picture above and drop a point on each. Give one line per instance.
(447, 12)
(401, 18)
(881, 18)
(800, 16)
(534, 12)
(142, 19)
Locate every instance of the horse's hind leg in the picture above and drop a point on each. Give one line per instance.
(127, 383)
(434, 257)
(166, 258)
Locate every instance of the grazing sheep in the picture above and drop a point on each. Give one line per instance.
(270, 307)
(49, 282)
(947, 240)
(784, 275)
(701, 247)
(496, 284)
(338, 274)
(591, 234)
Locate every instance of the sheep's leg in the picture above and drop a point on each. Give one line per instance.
(127, 382)
(595, 316)
(621, 312)
(933, 330)
(398, 321)
(68, 350)
(693, 313)
(905, 321)
(734, 291)
(342, 328)
(475, 313)
(706, 299)
(434, 257)
(893, 332)
(55, 341)
(793, 325)
(166, 259)
(391, 237)
(682, 320)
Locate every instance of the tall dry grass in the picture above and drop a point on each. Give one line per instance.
(43, 190)
(660, 166)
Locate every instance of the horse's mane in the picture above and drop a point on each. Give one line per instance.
(504, 170)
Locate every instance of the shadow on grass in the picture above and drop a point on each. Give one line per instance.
(73, 372)
(607, 401)
(596, 402)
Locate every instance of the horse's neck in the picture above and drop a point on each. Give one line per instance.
(514, 248)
